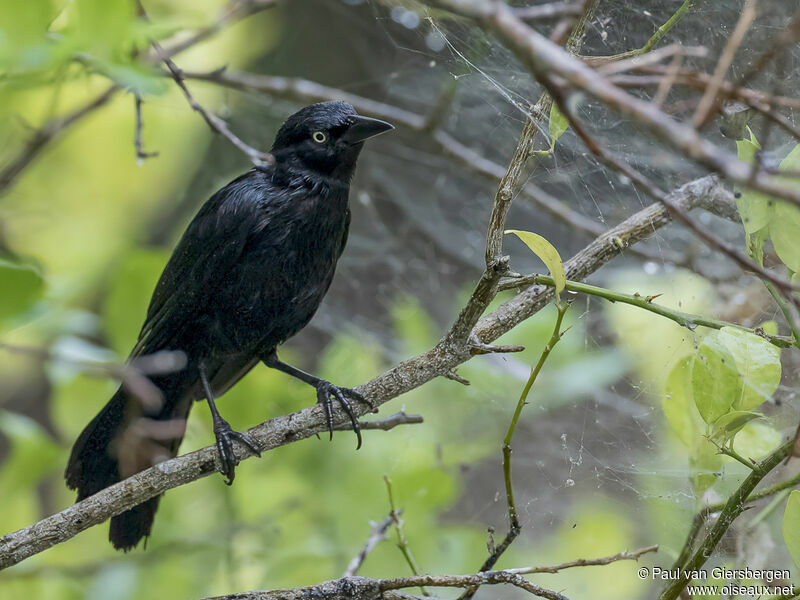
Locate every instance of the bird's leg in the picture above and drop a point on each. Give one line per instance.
(225, 434)
(325, 391)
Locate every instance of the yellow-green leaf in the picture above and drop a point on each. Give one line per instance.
(756, 440)
(727, 426)
(758, 363)
(770, 327)
(705, 464)
(791, 526)
(784, 226)
(678, 403)
(558, 124)
(547, 253)
(715, 381)
(754, 207)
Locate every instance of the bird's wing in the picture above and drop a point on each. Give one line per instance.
(211, 246)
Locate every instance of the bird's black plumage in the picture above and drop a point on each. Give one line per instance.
(249, 272)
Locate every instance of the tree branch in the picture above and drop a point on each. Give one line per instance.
(363, 588)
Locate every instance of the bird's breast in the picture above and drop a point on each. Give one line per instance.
(288, 269)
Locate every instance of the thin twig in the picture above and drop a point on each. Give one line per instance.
(47, 133)
(551, 10)
(218, 125)
(653, 191)
(648, 46)
(390, 422)
(514, 527)
(709, 98)
(587, 562)
(138, 145)
(52, 129)
(402, 542)
(236, 10)
(376, 535)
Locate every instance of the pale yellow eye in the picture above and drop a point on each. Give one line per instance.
(319, 137)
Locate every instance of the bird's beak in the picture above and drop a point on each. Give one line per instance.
(364, 128)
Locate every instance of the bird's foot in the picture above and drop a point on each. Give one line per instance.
(225, 435)
(326, 391)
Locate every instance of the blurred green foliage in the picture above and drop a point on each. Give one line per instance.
(298, 515)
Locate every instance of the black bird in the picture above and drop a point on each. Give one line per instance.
(249, 273)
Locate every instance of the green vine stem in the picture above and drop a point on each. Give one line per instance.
(646, 302)
(734, 506)
(402, 542)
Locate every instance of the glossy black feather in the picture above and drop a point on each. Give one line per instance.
(249, 272)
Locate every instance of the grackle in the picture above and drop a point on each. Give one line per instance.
(249, 273)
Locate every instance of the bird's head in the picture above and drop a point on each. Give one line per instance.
(325, 138)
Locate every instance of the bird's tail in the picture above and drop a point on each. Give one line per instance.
(119, 442)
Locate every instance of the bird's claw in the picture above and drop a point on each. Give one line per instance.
(326, 390)
(225, 435)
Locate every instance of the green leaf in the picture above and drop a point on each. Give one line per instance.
(756, 440)
(770, 327)
(715, 381)
(558, 124)
(705, 464)
(784, 230)
(138, 78)
(548, 254)
(784, 226)
(758, 363)
(791, 526)
(22, 286)
(727, 426)
(678, 403)
(754, 207)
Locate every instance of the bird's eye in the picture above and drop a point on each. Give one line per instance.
(319, 137)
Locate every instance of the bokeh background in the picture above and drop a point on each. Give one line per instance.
(597, 469)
